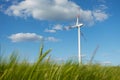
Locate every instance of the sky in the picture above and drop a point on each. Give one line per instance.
(26, 24)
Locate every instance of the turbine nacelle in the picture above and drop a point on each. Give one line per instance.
(79, 25)
(75, 26)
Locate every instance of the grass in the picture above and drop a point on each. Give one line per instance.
(44, 69)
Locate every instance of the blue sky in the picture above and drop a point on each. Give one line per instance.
(24, 24)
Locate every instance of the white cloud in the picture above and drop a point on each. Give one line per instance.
(83, 55)
(50, 30)
(102, 1)
(53, 10)
(102, 7)
(7, 0)
(107, 62)
(52, 39)
(20, 37)
(58, 27)
(1, 6)
(25, 37)
(54, 29)
(99, 15)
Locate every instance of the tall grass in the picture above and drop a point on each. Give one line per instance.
(44, 69)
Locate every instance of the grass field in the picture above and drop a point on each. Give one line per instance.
(44, 69)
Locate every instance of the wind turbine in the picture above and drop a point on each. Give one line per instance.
(79, 47)
(78, 26)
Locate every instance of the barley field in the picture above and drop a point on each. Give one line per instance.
(45, 69)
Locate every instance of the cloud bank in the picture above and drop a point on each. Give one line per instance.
(54, 10)
(22, 37)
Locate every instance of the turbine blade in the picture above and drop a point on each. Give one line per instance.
(83, 36)
(74, 26)
(66, 28)
(93, 54)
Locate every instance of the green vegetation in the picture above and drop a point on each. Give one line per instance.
(44, 69)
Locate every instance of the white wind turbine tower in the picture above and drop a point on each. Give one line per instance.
(79, 47)
(78, 26)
